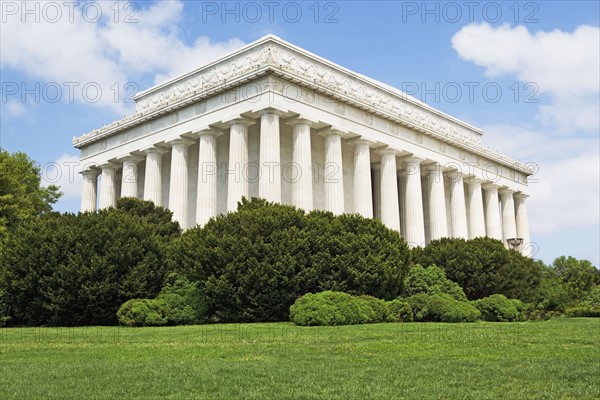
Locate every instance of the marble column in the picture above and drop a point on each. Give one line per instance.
(237, 182)
(458, 210)
(474, 203)
(376, 190)
(90, 188)
(206, 198)
(415, 228)
(333, 180)
(302, 185)
(130, 178)
(108, 190)
(390, 213)
(269, 184)
(363, 199)
(522, 224)
(438, 224)
(153, 177)
(178, 185)
(493, 226)
(509, 228)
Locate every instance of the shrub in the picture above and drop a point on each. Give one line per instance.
(538, 313)
(482, 267)
(79, 269)
(143, 312)
(336, 308)
(593, 298)
(329, 308)
(380, 310)
(583, 311)
(519, 305)
(418, 303)
(497, 308)
(430, 280)
(399, 311)
(444, 308)
(185, 301)
(254, 263)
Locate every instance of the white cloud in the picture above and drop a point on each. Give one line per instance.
(564, 65)
(15, 108)
(567, 191)
(64, 172)
(108, 52)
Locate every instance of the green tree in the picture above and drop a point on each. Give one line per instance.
(578, 276)
(566, 282)
(430, 280)
(256, 262)
(78, 269)
(482, 267)
(21, 193)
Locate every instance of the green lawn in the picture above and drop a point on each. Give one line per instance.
(558, 359)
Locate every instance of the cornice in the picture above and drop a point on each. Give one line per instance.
(273, 55)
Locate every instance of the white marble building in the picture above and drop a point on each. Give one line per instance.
(275, 121)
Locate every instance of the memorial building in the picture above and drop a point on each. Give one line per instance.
(275, 121)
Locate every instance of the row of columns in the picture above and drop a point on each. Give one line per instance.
(477, 209)
(400, 203)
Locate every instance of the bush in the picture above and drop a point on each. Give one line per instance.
(417, 303)
(444, 308)
(336, 308)
(519, 305)
(79, 269)
(330, 308)
(185, 301)
(538, 313)
(482, 267)
(380, 310)
(583, 311)
(254, 263)
(593, 298)
(430, 280)
(399, 311)
(143, 312)
(497, 308)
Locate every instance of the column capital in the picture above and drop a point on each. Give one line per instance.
(180, 141)
(505, 190)
(209, 132)
(239, 120)
(301, 120)
(90, 172)
(272, 110)
(489, 185)
(130, 157)
(472, 179)
(109, 165)
(520, 195)
(413, 159)
(331, 131)
(387, 151)
(154, 149)
(453, 173)
(360, 141)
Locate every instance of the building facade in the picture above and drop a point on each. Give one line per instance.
(272, 120)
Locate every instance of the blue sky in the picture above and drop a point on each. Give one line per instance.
(533, 68)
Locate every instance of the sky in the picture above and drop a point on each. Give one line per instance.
(526, 73)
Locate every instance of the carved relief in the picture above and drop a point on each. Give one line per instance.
(314, 72)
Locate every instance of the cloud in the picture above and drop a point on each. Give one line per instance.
(74, 51)
(14, 108)
(565, 192)
(64, 172)
(564, 65)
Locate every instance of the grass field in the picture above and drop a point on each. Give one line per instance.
(558, 359)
